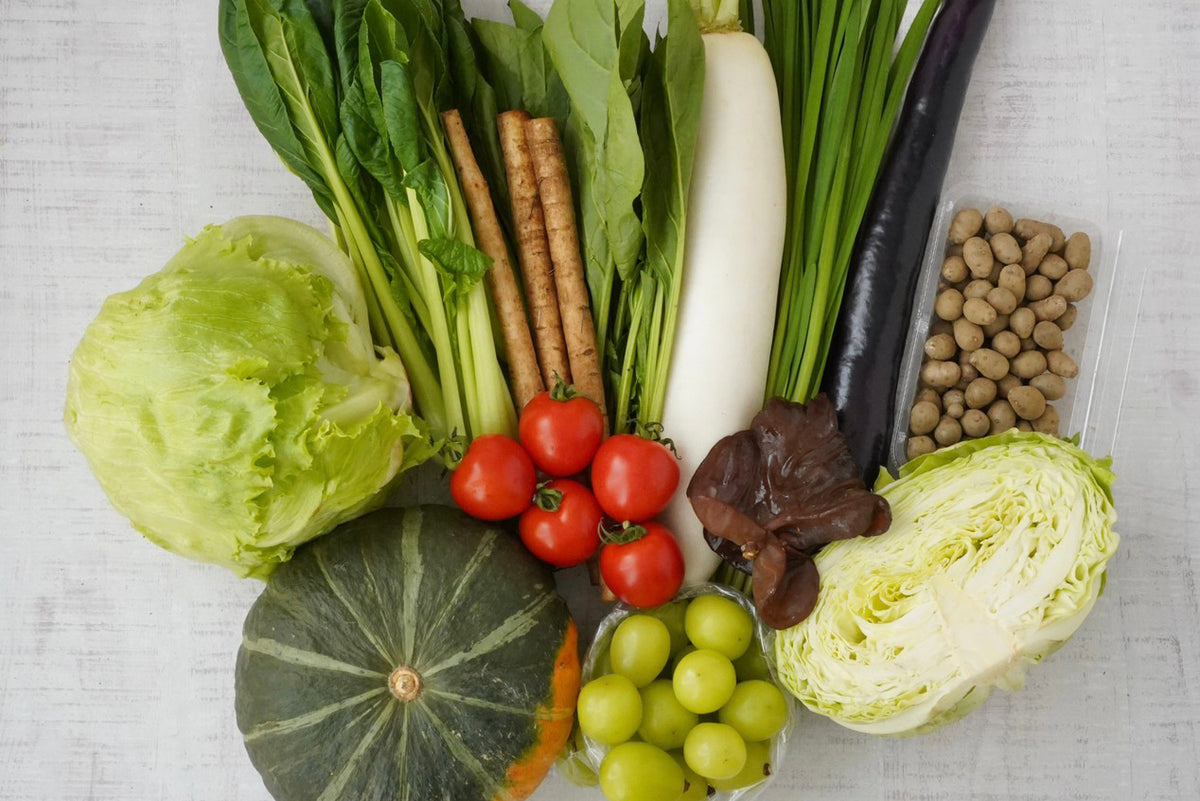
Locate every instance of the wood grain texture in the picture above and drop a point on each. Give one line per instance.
(121, 132)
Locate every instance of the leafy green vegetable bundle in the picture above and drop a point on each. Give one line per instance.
(996, 555)
(348, 93)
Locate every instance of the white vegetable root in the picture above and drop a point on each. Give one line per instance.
(737, 216)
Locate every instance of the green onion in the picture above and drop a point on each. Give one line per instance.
(841, 81)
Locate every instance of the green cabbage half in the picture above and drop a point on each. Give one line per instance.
(995, 555)
(233, 405)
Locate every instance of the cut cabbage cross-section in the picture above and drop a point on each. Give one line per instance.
(996, 554)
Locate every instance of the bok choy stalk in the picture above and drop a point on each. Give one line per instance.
(348, 94)
(841, 82)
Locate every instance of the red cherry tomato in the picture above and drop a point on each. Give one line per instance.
(646, 572)
(570, 534)
(633, 477)
(495, 479)
(561, 435)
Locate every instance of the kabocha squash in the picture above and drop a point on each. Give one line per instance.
(411, 654)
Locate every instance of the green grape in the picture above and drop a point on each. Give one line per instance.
(640, 648)
(672, 615)
(715, 751)
(665, 722)
(757, 768)
(696, 788)
(720, 624)
(610, 709)
(757, 709)
(640, 772)
(752, 664)
(679, 655)
(703, 681)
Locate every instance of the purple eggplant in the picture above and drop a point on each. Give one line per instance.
(868, 340)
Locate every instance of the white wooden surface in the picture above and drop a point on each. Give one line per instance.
(121, 131)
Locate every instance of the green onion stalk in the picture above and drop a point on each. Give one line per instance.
(841, 83)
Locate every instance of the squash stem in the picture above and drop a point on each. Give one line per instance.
(405, 684)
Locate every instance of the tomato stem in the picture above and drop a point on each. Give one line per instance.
(546, 499)
(654, 433)
(562, 391)
(621, 534)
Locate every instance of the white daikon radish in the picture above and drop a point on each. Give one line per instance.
(737, 215)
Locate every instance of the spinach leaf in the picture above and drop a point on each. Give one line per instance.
(670, 117)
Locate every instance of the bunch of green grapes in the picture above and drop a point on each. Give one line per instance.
(684, 701)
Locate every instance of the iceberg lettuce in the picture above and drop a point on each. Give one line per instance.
(233, 405)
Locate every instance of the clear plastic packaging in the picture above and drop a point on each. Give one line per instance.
(1100, 341)
(594, 752)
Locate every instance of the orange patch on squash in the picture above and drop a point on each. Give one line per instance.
(554, 721)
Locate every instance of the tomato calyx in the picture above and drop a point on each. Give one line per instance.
(547, 499)
(621, 533)
(562, 391)
(654, 433)
(453, 449)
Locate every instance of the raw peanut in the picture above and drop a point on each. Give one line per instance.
(940, 327)
(1007, 344)
(980, 312)
(998, 220)
(1068, 317)
(1029, 364)
(968, 335)
(975, 423)
(1048, 335)
(948, 431)
(1037, 287)
(977, 288)
(954, 269)
(966, 224)
(980, 393)
(1061, 364)
(1002, 416)
(1003, 301)
(1034, 251)
(1075, 285)
(940, 347)
(989, 363)
(1027, 402)
(948, 304)
(997, 326)
(977, 253)
(1078, 251)
(1006, 385)
(1049, 309)
(1028, 344)
(1024, 425)
(1012, 278)
(919, 446)
(1005, 248)
(1048, 422)
(932, 396)
(1051, 386)
(924, 417)
(1027, 229)
(940, 374)
(1053, 267)
(1021, 322)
